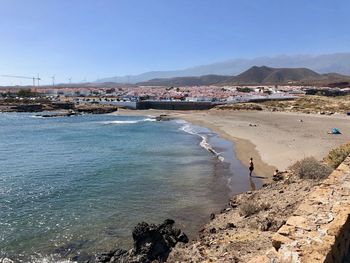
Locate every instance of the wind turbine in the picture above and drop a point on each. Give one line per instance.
(53, 80)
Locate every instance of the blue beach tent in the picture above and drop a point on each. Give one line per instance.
(335, 131)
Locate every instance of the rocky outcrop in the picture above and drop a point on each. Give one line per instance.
(60, 114)
(27, 108)
(319, 229)
(163, 117)
(96, 109)
(246, 226)
(152, 243)
(40, 106)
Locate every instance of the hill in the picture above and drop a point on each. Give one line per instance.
(256, 76)
(267, 75)
(186, 81)
(338, 63)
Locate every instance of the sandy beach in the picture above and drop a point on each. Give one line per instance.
(273, 139)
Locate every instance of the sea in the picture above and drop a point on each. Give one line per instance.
(71, 187)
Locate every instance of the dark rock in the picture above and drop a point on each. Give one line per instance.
(277, 177)
(225, 210)
(233, 203)
(96, 109)
(151, 243)
(120, 256)
(63, 114)
(212, 216)
(271, 224)
(212, 230)
(163, 117)
(230, 226)
(105, 257)
(182, 238)
(28, 107)
(168, 222)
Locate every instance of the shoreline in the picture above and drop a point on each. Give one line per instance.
(275, 140)
(243, 148)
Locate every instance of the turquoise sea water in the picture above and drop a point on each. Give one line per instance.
(77, 185)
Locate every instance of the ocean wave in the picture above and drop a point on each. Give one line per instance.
(204, 143)
(36, 116)
(128, 121)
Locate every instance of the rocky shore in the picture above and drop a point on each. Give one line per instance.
(152, 243)
(246, 226)
(66, 108)
(243, 229)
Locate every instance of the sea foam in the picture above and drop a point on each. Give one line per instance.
(204, 143)
(128, 121)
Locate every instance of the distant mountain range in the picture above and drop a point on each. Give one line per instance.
(254, 76)
(337, 63)
(187, 81)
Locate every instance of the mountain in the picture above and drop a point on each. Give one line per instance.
(338, 63)
(186, 81)
(267, 75)
(255, 76)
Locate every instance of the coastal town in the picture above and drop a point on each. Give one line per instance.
(127, 96)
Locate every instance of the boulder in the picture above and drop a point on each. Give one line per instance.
(151, 243)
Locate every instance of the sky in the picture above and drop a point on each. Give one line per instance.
(90, 39)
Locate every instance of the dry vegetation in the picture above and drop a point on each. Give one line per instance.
(311, 104)
(250, 208)
(240, 106)
(310, 168)
(338, 155)
(248, 223)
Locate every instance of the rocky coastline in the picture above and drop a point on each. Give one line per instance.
(241, 230)
(244, 228)
(65, 109)
(151, 243)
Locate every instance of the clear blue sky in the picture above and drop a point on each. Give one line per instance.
(102, 38)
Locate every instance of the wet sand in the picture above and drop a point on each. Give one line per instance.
(273, 139)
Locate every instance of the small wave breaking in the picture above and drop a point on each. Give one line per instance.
(204, 143)
(128, 121)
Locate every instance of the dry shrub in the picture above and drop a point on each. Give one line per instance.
(338, 155)
(250, 208)
(240, 106)
(310, 168)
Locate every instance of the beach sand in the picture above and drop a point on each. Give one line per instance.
(273, 139)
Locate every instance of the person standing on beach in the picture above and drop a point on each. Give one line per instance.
(251, 166)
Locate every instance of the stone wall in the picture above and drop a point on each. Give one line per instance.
(174, 105)
(319, 230)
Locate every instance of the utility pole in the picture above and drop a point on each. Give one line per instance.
(53, 81)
